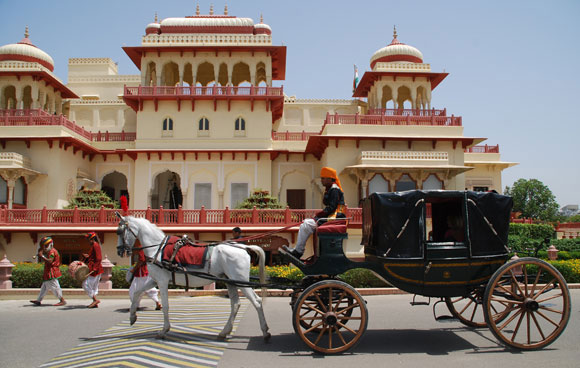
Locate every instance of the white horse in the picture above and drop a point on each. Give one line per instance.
(228, 260)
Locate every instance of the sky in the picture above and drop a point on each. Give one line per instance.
(513, 65)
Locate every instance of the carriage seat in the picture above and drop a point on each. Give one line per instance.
(338, 226)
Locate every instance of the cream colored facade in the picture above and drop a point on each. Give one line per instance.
(208, 118)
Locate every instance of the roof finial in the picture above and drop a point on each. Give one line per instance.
(261, 18)
(395, 32)
(156, 19)
(26, 34)
(211, 9)
(226, 9)
(197, 9)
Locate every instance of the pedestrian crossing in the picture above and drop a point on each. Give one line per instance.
(191, 342)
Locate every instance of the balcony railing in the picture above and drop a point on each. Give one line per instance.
(428, 120)
(179, 217)
(292, 136)
(483, 149)
(405, 112)
(39, 117)
(214, 91)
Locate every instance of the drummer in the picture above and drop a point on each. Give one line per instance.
(334, 208)
(51, 259)
(93, 259)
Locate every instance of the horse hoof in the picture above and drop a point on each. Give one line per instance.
(160, 336)
(221, 338)
(267, 337)
(133, 320)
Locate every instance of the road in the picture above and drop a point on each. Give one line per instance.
(398, 335)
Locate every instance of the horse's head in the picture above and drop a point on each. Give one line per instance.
(126, 237)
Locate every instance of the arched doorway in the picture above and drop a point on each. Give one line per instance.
(167, 191)
(115, 185)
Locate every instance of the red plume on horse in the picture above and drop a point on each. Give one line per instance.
(124, 204)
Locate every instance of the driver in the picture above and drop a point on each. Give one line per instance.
(334, 202)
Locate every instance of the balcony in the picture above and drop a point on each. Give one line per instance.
(273, 96)
(292, 136)
(416, 117)
(201, 219)
(483, 149)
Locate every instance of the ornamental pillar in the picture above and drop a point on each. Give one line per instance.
(181, 69)
(5, 273)
(106, 283)
(230, 72)
(413, 98)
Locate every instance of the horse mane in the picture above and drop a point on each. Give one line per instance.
(149, 225)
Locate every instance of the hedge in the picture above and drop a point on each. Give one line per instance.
(29, 275)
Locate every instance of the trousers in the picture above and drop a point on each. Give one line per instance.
(91, 285)
(307, 228)
(52, 285)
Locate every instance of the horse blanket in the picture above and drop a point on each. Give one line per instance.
(189, 256)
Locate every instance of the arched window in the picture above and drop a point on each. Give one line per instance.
(167, 124)
(203, 124)
(432, 182)
(405, 183)
(240, 124)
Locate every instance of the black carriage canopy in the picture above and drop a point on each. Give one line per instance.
(396, 225)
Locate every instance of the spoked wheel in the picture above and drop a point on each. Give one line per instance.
(536, 300)
(469, 309)
(330, 317)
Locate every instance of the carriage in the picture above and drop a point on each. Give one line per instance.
(447, 245)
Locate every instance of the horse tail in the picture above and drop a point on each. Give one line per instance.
(261, 266)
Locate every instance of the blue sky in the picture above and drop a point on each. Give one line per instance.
(513, 64)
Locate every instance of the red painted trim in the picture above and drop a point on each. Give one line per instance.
(28, 59)
(400, 57)
(208, 29)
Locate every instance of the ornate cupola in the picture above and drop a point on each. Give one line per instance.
(25, 51)
(153, 28)
(396, 51)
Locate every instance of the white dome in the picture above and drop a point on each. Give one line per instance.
(264, 26)
(397, 52)
(26, 51)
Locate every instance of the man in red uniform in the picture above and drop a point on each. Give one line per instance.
(93, 261)
(51, 260)
(141, 277)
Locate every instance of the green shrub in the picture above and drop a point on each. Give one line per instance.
(118, 277)
(570, 245)
(29, 275)
(362, 278)
(533, 231)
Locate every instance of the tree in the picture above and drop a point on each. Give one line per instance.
(533, 199)
(91, 199)
(260, 199)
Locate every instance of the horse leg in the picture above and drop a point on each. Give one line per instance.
(163, 290)
(257, 303)
(235, 307)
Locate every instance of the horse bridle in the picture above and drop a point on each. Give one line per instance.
(121, 231)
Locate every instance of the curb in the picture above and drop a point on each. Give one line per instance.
(18, 294)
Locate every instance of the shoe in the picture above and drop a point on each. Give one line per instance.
(94, 304)
(293, 252)
(60, 304)
(158, 307)
(35, 302)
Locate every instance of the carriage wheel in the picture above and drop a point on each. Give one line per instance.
(330, 317)
(469, 309)
(537, 303)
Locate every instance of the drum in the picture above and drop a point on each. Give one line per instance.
(78, 271)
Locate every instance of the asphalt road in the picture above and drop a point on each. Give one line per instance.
(398, 335)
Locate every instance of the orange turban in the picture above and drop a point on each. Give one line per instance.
(328, 172)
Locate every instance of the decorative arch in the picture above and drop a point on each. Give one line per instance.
(151, 74)
(403, 94)
(170, 74)
(27, 97)
(114, 183)
(386, 96)
(421, 102)
(9, 97)
(241, 74)
(433, 182)
(161, 189)
(295, 180)
(188, 74)
(205, 73)
(261, 73)
(405, 182)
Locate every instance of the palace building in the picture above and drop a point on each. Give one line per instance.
(203, 125)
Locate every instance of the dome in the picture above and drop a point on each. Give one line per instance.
(397, 51)
(207, 24)
(25, 51)
(262, 28)
(154, 27)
